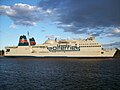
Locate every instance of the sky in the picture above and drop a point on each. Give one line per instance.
(64, 19)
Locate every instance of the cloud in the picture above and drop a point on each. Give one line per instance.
(116, 30)
(99, 17)
(43, 30)
(77, 16)
(51, 36)
(114, 33)
(114, 44)
(13, 26)
(24, 14)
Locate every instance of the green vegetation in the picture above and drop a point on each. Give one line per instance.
(1, 52)
(117, 54)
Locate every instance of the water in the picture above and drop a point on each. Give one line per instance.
(73, 74)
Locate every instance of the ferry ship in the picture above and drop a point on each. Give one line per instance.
(80, 48)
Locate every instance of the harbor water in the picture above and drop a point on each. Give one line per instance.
(59, 74)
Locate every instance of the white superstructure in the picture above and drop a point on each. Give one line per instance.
(61, 48)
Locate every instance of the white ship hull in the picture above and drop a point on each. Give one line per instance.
(88, 48)
(26, 51)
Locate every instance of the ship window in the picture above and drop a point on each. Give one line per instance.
(8, 50)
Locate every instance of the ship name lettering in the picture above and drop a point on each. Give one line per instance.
(63, 48)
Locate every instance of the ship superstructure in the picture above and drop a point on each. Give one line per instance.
(59, 48)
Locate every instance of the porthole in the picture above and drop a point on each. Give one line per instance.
(102, 52)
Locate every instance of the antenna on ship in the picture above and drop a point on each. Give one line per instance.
(89, 34)
(29, 42)
(91, 37)
(28, 38)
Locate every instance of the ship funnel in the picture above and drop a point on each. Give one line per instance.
(23, 41)
(32, 41)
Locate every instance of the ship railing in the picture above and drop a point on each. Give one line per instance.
(11, 47)
(108, 49)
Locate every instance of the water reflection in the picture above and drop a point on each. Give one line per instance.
(59, 74)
